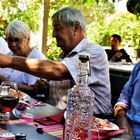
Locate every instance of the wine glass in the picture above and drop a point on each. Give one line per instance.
(8, 99)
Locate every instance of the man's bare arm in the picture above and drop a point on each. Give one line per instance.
(51, 70)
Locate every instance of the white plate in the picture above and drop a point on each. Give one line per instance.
(112, 125)
(21, 114)
(22, 96)
(26, 97)
(65, 113)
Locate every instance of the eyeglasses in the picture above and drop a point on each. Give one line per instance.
(12, 39)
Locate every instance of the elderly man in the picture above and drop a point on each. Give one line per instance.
(69, 31)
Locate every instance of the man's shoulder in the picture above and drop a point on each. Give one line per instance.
(93, 47)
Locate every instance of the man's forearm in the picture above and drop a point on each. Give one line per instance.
(50, 70)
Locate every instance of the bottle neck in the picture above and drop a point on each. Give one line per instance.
(83, 73)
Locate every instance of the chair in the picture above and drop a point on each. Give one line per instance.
(117, 84)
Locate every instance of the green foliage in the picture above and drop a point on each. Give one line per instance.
(53, 51)
(102, 20)
(94, 12)
(25, 10)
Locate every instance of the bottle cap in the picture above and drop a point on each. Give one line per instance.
(84, 57)
(20, 136)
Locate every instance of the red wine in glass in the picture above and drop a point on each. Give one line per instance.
(8, 103)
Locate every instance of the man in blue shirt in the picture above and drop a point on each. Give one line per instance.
(127, 109)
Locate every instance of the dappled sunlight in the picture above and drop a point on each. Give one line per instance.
(32, 63)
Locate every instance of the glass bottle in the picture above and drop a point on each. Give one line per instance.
(79, 116)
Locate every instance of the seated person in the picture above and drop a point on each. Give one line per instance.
(127, 108)
(4, 46)
(115, 54)
(18, 39)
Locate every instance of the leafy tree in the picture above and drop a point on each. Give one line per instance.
(102, 20)
(95, 13)
(25, 10)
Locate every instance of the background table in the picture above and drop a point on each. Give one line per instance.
(119, 75)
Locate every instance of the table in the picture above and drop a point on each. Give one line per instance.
(119, 75)
(30, 131)
(119, 68)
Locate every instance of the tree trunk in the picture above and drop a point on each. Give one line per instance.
(45, 26)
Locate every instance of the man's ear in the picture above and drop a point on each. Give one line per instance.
(76, 29)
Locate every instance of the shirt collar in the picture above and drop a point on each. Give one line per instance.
(78, 48)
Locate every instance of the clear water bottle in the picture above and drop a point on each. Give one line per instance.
(79, 115)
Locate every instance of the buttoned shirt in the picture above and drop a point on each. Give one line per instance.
(130, 98)
(99, 79)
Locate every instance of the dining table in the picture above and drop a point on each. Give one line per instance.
(121, 68)
(29, 127)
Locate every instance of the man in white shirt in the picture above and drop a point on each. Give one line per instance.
(69, 31)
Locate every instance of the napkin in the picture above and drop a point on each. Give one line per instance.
(54, 130)
(106, 133)
(58, 129)
(49, 120)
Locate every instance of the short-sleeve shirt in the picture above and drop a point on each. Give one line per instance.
(99, 81)
(22, 77)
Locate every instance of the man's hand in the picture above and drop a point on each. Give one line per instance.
(116, 56)
(42, 87)
(121, 119)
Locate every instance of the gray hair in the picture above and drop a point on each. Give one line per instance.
(17, 28)
(70, 17)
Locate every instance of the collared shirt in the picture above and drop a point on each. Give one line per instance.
(22, 77)
(130, 98)
(4, 49)
(99, 79)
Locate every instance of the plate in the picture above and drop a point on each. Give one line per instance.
(21, 114)
(104, 124)
(65, 113)
(23, 96)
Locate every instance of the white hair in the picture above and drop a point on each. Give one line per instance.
(70, 17)
(17, 28)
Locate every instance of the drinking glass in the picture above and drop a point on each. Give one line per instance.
(8, 99)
